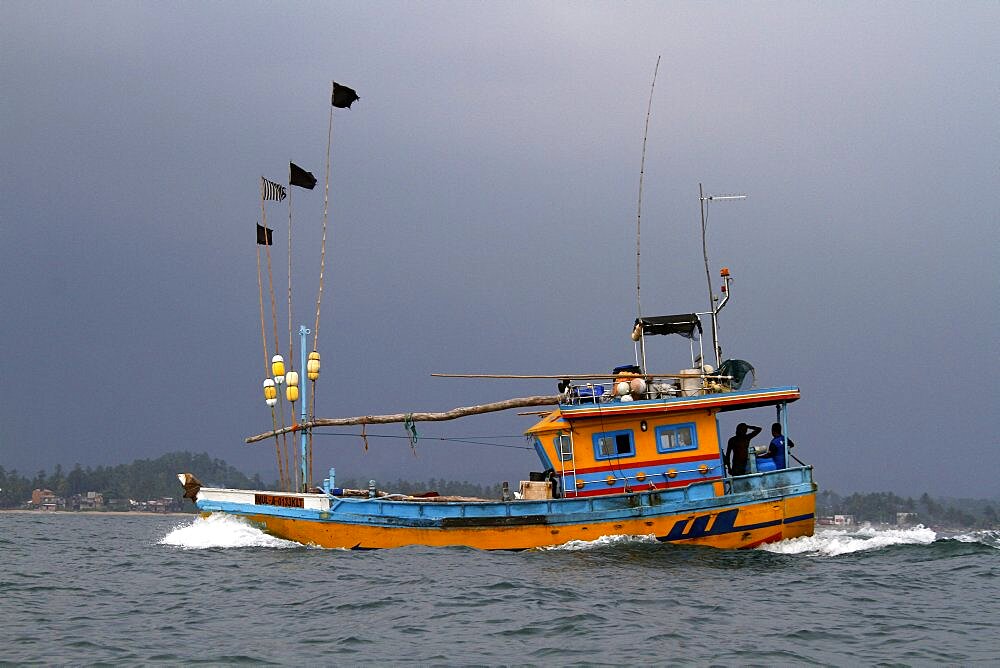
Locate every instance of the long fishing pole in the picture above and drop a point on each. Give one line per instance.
(429, 438)
(638, 215)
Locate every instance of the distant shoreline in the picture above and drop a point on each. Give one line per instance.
(23, 511)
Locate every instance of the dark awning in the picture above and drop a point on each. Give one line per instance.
(683, 324)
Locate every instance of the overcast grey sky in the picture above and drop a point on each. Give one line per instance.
(483, 220)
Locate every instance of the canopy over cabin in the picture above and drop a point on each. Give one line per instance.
(684, 324)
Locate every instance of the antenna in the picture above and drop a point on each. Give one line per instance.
(712, 299)
(638, 215)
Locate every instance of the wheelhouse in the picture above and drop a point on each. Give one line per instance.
(617, 447)
(632, 432)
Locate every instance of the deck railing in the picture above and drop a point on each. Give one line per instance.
(651, 387)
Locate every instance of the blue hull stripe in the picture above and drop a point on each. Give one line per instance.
(724, 523)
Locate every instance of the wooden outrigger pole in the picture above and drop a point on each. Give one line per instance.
(568, 376)
(453, 414)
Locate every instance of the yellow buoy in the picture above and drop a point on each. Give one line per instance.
(312, 366)
(278, 369)
(292, 393)
(270, 392)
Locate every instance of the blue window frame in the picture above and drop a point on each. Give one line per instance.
(676, 437)
(613, 444)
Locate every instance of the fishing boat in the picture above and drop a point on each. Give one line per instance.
(624, 453)
(629, 453)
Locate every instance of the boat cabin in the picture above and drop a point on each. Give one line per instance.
(634, 432)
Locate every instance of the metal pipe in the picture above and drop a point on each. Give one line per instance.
(783, 420)
(303, 443)
(711, 297)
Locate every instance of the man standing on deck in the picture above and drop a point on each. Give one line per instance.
(776, 449)
(738, 448)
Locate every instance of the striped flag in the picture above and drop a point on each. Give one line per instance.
(271, 191)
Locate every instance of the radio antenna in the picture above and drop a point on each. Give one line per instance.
(712, 299)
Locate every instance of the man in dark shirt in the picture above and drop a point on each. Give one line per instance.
(738, 448)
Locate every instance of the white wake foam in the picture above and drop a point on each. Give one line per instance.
(603, 541)
(990, 537)
(832, 542)
(221, 531)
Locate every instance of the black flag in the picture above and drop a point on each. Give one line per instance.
(343, 97)
(300, 177)
(263, 235)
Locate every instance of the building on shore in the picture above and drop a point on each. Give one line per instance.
(46, 499)
(87, 501)
(164, 504)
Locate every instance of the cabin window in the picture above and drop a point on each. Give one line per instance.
(610, 444)
(674, 437)
(564, 447)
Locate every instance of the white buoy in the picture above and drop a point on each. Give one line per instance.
(278, 369)
(270, 392)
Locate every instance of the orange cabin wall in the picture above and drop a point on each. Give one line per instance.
(583, 430)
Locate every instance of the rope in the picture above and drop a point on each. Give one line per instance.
(309, 433)
(263, 329)
(277, 449)
(277, 348)
(270, 283)
(290, 351)
(267, 368)
(284, 441)
(364, 435)
(411, 429)
(322, 266)
(326, 202)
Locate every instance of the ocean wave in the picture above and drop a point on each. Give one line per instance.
(223, 531)
(988, 537)
(602, 542)
(833, 543)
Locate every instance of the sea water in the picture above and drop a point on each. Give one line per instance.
(127, 589)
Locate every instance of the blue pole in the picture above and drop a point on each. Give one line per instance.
(303, 385)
